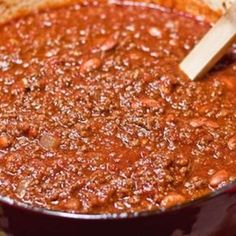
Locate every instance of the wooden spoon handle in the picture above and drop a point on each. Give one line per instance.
(212, 47)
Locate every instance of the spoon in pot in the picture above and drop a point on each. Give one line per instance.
(212, 47)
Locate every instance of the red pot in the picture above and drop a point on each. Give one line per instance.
(214, 215)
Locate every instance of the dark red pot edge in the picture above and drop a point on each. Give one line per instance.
(229, 188)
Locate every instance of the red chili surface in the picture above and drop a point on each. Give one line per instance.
(96, 117)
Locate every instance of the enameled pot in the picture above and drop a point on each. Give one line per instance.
(214, 215)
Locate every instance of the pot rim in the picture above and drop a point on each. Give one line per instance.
(228, 188)
(6, 201)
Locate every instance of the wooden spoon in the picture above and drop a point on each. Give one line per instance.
(212, 47)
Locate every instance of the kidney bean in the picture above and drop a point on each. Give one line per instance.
(72, 204)
(232, 143)
(22, 187)
(173, 199)
(211, 124)
(48, 141)
(197, 123)
(4, 141)
(200, 122)
(150, 102)
(110, 43)
(219, 178)
(90, 65)
(155, 32)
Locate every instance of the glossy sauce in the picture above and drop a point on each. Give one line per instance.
(96, 117)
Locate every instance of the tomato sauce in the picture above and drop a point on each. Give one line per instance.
(96, 117)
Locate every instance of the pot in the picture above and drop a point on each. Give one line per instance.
(212, 215)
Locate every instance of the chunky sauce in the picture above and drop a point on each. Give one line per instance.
(96, 117)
